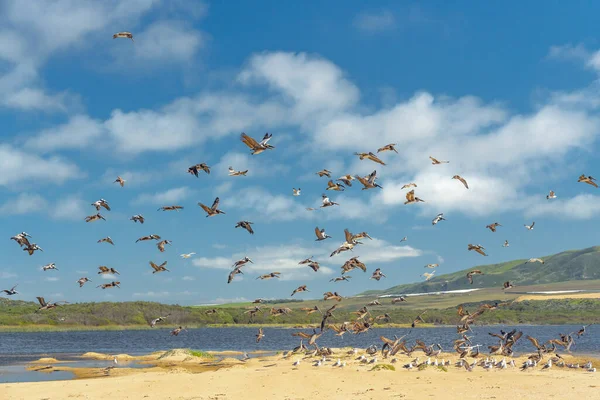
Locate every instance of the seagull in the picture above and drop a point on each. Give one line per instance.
(296, 192)
(188, 255)
(438, 218)
(551, 195)
(233, 172)
(124, 35)
(530, 227)
(10, 291)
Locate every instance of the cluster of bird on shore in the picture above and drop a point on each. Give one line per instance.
(364, 319)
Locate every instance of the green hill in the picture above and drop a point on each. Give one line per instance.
(572, 265)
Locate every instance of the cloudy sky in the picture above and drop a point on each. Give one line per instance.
(509, 96)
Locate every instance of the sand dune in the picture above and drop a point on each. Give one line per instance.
(559, 296)
(276, 378)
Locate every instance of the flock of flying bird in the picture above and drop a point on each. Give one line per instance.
(364, 319)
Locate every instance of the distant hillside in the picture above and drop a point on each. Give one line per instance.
(569, 265)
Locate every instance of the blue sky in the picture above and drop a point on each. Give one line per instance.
(509, 96)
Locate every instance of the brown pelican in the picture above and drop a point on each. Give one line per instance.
(326, 202)
(243, 261)
(170, 208)
(341, 278)
(157, 320)
(324, 172)
(158, 268)
(332, 296)
(149, 237)
(120, 181)
(321, 235)
(101, 203)
(255, 146)
(260, 335)
(47, 306)
(335, 186)
(478, 248)
(21, 239)
(82, 281)
(10, 291)
(411, 198)
(588, 179)
(435, 161)
(461, 179)
(106, 240)
(49, 266)
(368, 181)
(492, 227)
(530, 227)
(32, 248)
(550, 195)
(300, 289)
(198, 167)
(246, 226)
(369, 156)
(123, 35)
(161, 245)
(438, 218)
(473, 272)
(398, 299)
(109, 285)
(213, 210)
(377, 274)
(269, 275)
(233, 172)
(137, 218)
(177, 331)
(388, 147)
(105, 270)
(92, 218)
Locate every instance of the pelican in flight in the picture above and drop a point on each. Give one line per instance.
(590, 180)
(120, 181)
(324, 172)
(431, 266)
(83, 280)
(233, 172)
(411, 198)
(530, 227)
(158, 268)
(137, 218)
(369, 156)
(471, 273)
(505, 244)
(435, 161)
(327, 203)
(10, 291)
(478, 248)
(532, 260)
(296, 192)
(124, 35)
(106, 240)
(101, 203)
(551, 195)
(194, 169)
(462, 180)
(438, 218)
(188, 255)
(388, 147)
(427, 275)
(492, 227)
(212, 210)
(255, 146)
(245, 225)
(321, 235)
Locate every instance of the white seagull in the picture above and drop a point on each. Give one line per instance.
(188, 255)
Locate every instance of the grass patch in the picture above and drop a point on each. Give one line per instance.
(201, 354)
(384, 367)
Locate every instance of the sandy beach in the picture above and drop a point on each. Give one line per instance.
(177, 375)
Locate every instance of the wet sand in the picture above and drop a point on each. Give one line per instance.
(179, 375)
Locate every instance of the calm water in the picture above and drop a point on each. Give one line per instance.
(23, 347)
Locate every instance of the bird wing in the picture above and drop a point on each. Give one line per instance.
(249, 141)
(318, 233)
(41, 301)
(215, 204)
(373, 157)
(348, 235)
(464, 182)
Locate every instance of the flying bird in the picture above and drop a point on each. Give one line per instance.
(124, 35)
(95, 217)
(105, 270)
(409, 185)
(233, 172)
(404, 239)
(49, 266)
(269, 275)
(194, 169)
(170, 208)
(346, 180)
(326, 202)
(161, 245)
(324, 172)
(335, 186)
(245, 225)
(213, 210)
(188, 255)
(427, 275)
(507, 285)
(32, 248)
(11, 291)
(83, 280)
(300, 289)
(120, 181)
(255, 146)
(478, 248)
(242, 262)
(101, 203)
(438, 218)
(436, 161)
(321, 235)
(47, 306)
(388, 147)
(259, 335)
(157, 320)
(411, 198)
(137, 218)
(296, 192)
(492, 227)
(431, 266)
(368, 181)
(532, 260)
(369, 156)
(106, 240)
(505, 244)
(550, 195)
(158, 268)
(460, 178)
(377, 275)
(530, 227)
(473, 272)
(149, 237)
(109, 285)
(588, 179)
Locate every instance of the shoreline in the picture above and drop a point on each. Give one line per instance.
(179, 374)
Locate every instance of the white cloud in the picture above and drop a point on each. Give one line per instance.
(222, 300)
(267, 205)
(371, 22)
(19, 167)
(24, 203)
(169, 197)
(163, 41)
(51, 279)
(188, 278)
(79, 132)
(582, 206)
(108, 277)
(69, 208)
(7, 275)
(161, 294)
(285, 258)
